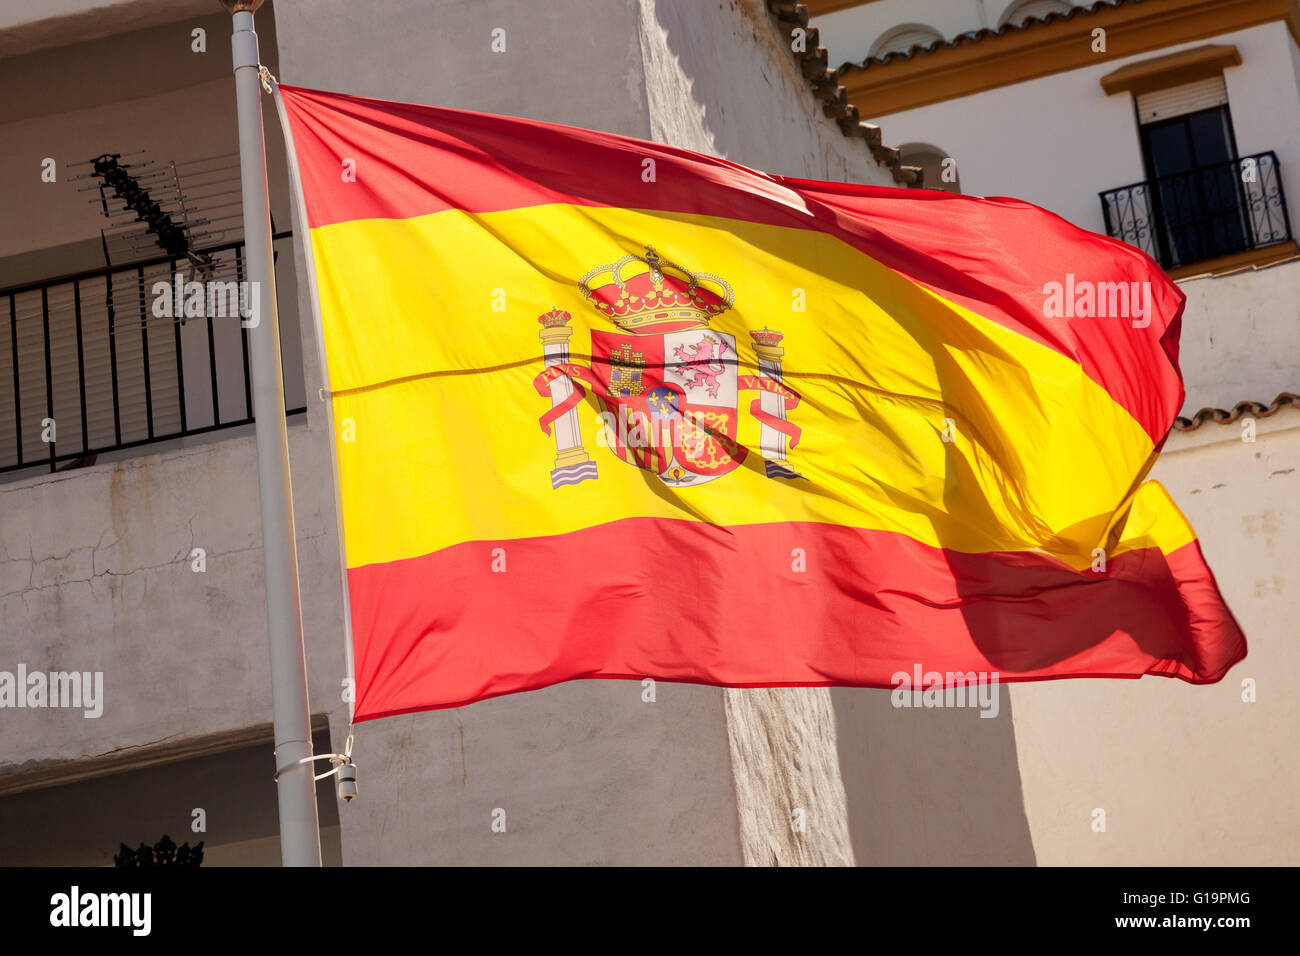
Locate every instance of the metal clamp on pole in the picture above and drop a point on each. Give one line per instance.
(295, 785)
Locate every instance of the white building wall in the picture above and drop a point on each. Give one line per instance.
(1241, 337)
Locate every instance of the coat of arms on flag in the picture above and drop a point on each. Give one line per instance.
(666, 384)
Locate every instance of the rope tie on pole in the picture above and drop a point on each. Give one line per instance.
(339, 761)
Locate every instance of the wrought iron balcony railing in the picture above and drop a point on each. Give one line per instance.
(1202, 214)
(88, 367)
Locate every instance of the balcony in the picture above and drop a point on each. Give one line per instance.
(1203, 214)
(88, 353)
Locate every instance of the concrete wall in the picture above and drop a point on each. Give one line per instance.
(95, 566)
(720, 80)
(60, 104)
(26, 27)
(1241, 337)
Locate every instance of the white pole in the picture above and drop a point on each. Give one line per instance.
(295, 786)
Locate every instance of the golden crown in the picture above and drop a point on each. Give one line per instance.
(643, 293)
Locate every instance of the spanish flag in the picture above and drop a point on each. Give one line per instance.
(607, 408)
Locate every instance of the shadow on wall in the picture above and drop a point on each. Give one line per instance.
(930, 787)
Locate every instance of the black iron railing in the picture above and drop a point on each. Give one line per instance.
(1203, 213)
(92, 367)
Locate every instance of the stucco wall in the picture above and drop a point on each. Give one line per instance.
(848, 34)
(1241, 337)
(54, 108)
(25, 27)
(95, 575)
(1188, 775)
(719, 79)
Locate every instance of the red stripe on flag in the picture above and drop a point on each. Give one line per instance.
(684, 601)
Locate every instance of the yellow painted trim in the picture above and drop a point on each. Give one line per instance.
(1253, 258)
(1173, 69)
(1043, 49)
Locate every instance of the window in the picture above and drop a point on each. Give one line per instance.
(1190, 156)
(1201, 201)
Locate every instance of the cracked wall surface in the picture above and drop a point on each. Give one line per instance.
(97, 574)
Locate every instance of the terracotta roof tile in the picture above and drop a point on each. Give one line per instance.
(975, 36)
(825, 84)
(1228, 416)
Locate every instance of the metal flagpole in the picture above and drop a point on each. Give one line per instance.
(295, 783)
